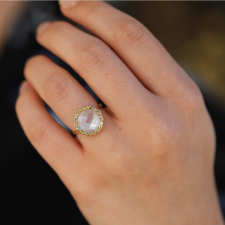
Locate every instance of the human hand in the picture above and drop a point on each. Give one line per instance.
(152, 163)
(9, 11)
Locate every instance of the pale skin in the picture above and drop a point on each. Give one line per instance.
(152, 163)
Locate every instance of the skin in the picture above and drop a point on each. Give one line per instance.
(152, 163)
(9, 12)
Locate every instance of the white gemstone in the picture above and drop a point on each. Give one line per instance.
(88, 120)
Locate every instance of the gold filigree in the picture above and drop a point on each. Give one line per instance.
(79, 111)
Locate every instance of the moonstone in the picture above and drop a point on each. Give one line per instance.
(88, 120)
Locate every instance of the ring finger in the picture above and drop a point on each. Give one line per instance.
(62, 93)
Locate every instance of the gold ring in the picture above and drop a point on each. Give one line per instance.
(88, 120)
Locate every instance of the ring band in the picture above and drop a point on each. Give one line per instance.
(88, 120)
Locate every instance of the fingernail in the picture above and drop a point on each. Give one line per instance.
(41, 28)
(67, 4)
(24, 86)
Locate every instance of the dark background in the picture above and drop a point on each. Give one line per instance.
(193, 32)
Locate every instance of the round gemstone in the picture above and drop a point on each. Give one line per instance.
(88, 120)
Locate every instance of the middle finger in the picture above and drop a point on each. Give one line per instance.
(100, 67)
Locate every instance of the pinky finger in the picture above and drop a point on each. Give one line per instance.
(54, 144)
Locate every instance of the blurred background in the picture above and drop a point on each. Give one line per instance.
(193, 33)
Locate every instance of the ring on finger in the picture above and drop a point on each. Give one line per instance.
(88, 120)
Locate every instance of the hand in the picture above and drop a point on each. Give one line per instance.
(9, 11)
(152, 163)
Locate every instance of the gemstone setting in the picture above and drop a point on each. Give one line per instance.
(88, 120)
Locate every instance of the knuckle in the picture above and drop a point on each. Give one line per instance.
(87, 194)
(165, 137)
(88, 189)
(37, 129)
(165, 130)
(194, 100)
(56, 87)
(94, 55)
(129, 31)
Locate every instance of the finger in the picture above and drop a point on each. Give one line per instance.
(64, 95)
(106, 74)
(53, 143)
(133, 43)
